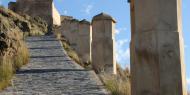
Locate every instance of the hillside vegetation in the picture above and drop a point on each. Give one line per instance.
(13, 50)
(118, 84)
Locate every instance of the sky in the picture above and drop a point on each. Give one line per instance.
(120, 10)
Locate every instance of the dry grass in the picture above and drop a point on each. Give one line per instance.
(116, 85)
(58, 35)
(71, 53)
(6, 72)
(22, 57)
(9, 65)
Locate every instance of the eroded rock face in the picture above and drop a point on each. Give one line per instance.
(13, 27)
(23, 23)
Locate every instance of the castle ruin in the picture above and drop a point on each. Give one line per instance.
(157, 52)
(94, 43)
(42, 8)
(78, 33)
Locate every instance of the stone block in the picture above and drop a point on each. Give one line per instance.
(103, 40)
(157, 52)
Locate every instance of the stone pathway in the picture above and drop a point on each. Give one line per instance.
(52, 72)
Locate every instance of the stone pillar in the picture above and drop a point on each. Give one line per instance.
(65, 27)
(103, 40)
(73, 34)
(84, 41)
(157, 52)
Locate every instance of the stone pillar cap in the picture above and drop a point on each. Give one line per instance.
(75, 20)
(103, 16)
(84, 21)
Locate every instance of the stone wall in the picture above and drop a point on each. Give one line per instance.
(63, 17)
(78, 33)
(92, 43)
(42, 8)
(84, 40)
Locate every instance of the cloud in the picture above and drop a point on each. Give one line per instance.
(65, 12)
(88, 9)
(119, 30)
(121, 42)
(186, 46)
(122, 52)
(0, 2)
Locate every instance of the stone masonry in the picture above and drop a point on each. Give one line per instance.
(51, 72)
(103, 40)
(78, 33)
(42, 8)
(157, 52)
(85, 40)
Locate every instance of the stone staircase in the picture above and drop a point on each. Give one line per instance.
(51, 72)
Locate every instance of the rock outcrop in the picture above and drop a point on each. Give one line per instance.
(14, 27)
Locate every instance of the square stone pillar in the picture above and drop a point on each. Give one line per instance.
(84, 41)
(157, 52)
(103, 40)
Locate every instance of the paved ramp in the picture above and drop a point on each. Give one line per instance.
(52, 72)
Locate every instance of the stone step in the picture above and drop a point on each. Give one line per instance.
(51, 72)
